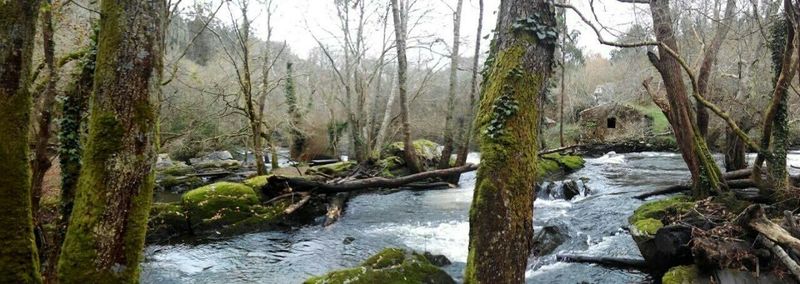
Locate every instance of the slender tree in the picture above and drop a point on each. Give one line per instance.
(519, 66)
(298, 138)
(19, 261)
(105, 238)
(447, 138)
(465, 137)
(400, 19)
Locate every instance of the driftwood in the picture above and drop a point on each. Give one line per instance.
(782, 256)
(667, 190)
(610, 261)
(791, 222)
(753, 217)
(738, 174)
(302, 184)
(295, 206)
(741, 183)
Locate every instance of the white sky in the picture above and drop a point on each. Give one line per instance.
(296, 20)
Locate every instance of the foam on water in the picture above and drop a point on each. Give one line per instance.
(609, 158)
(449, 239)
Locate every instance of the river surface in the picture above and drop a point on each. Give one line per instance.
(435, 221)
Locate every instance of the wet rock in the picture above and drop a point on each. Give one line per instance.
(437, 259)
(348, 240)
(547, 239)
(392, 265)
(177, 184)
(427, 152)
(217, 205)
(570, 189)
(218, 159)
(646, 222)
(334, 169)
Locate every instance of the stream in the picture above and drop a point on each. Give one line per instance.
(435, 221)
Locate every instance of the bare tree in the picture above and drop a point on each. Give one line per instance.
(400, 18)
(466, 132)
(447, 138)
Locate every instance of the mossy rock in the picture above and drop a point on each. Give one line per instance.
(555, 164)
(178, 183)
(427, 151)
(648, 226)
(391, 166)
(262, 217)
(176, 170)
(684, 274)
(334, 169)
(661, 208)
(391, 266)
(217, 205)
(167, 221)
(258, 182)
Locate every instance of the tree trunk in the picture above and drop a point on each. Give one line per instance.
(298, 138)
(501, 217)
(400, 29)
(387, 118)
(41, 161)
(447, 138)
(19, 261)
(705, 173)
(709, 60)
(105, 238)
(735, 154)
(466, 136)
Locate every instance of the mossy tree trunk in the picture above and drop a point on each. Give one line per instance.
(19, 260)
(694, 150)
(501, 217)
(447, 138)
(105, 237)
(298, 138)
(400, 18)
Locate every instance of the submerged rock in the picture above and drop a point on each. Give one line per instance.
(392, 265)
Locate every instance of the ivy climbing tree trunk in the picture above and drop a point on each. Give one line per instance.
(19, 260)
(501, 217)
(400, 30)
(447, 138)
(298, 138)
(105, 238)
(705, 173)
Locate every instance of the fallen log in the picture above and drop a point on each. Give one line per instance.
(295, 206)
(609, 261)
(741, 183)
(738, 174)
(754, 217)
(301, 184)
(792, 223)
(561, 149)
(667, 190)
(782, 256)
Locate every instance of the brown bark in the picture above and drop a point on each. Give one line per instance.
(709, 60)
(400, 19)
(41, 162)
(465, 136)
(19, 260)
(705, 173)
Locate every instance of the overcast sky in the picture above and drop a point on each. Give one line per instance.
(296, 20)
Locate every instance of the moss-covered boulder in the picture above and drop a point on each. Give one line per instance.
(427, 151)
(391, 266)
(335, 169)
(684, 274)
(392, 166)
(167, 221)
(217, 205)
(556, 164)
(177, 183)
(647, 220)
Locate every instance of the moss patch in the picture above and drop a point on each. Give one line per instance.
(257, 183)
(167, 220)
(177, 170)
(427, 151)
(658, 209)
(555, 163)
(333, 169)
(391, 265)
(684, 274)
(218, 204)
(648, 226)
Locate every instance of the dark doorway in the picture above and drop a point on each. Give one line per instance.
(611, 122)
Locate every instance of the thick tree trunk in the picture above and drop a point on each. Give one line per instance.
(501, 217)
(735, 152)
(447, 138)
(19, 260)
(298, 138)
(705, 173)
(400, 29)
(466, 131)
(105, 238)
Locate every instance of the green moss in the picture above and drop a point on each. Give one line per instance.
(257, 182)
(546, 167)
(177, 170)
(167, 220)
(659, 209)
(684, 274)
(391, 266)
(649, 225)
(169, 182)
(556, 163)
(333, 169)
(424, 148)
(218, 204)
(260, 217)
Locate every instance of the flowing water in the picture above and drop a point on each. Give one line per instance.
(434, 221)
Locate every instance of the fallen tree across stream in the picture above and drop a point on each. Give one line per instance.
(304, 184)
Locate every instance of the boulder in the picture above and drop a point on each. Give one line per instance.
(335, 169)
(218, 159)
(570, 189)
(392, 265)
(218, 205)
(167, 221)
(547, 239)
(646, 222)
(437, 259)
(427, 151)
